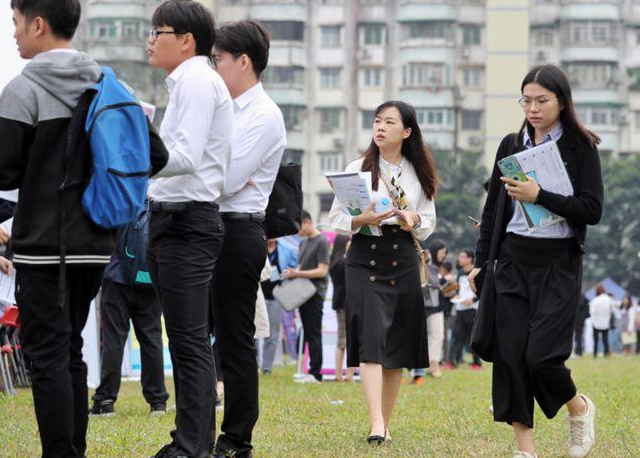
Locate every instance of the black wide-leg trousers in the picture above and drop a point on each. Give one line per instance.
(538, 288)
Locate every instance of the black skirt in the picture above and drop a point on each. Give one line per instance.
(386, 322)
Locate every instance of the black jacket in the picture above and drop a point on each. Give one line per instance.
(584, 207)
(36, 113)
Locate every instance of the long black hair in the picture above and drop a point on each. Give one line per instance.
(436, 246)
(554, 79)
(339, 249)
(413, 149)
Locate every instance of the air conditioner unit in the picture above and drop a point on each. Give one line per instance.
(623, 120)
(541, 56)
(338, 142)
(364, 55)
(475, 140)
(465, 53)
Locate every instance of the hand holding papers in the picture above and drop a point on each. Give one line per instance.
(543, 164)
(5, 231)
(353, 191)
(8, 287)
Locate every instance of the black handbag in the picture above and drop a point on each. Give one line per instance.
(284, 211)
(483, 331)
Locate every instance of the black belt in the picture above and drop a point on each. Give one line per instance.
(177, 207)
(236, 216)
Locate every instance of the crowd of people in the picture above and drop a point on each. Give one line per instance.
(203, 260)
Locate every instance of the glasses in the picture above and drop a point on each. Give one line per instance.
(153, 33)
(540, 103)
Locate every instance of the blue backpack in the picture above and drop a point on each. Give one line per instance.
(118, 133)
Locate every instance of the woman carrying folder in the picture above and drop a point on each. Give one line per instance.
(538, 273)
(386, 324)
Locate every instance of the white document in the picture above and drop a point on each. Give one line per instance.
(8, 287)
(7, 225)
(544, 164)
(353, 191)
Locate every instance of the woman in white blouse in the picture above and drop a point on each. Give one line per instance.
(386, 324)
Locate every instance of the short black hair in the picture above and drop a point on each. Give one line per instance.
(63, 16)
(188, 16)
(306, 216)
(245, 37)
(469, 252)
(447, 266)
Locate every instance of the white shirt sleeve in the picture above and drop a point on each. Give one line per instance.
(426, 208)
(195, 106)
(251, 150)
(339, 219)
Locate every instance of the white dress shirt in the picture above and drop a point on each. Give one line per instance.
(601, 309)
(257, 145)
(465, 292)
(196, 130)
(417, 202)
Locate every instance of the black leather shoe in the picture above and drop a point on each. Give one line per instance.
(375, 440)
(169, 451)
(230, 454)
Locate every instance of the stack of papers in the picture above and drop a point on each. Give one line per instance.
(353, 191)
(544, 164)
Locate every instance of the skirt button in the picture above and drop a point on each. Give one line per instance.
(394, 263)
(372, 263)
(372, 279)
(395, 231)
(392, 283)
(374, 247)
(395, 246)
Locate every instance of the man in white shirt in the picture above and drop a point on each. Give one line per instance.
(186, 230)
(241, 54)
(601, 309)
(466, 305)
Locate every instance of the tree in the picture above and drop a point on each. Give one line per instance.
(613, 246)
(461, 195)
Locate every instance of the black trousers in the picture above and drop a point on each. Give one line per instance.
(234, 291)
(538, 288)
(311, 318)
(462, 327)
(120, 304)
(579, 337)
(605, 341)
(183, 249)
(52, 341)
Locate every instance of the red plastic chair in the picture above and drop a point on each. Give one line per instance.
(11, 317)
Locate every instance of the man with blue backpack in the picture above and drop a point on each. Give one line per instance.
(128, 295)
(61, 242)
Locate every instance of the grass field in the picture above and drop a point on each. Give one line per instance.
(448, 417)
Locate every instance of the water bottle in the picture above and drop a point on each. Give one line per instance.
(383, 205)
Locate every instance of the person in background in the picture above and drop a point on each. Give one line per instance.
(451, 287)
(337, 273)
(627, 325)
(636, 324)
(601, 311)
(581, 316)
(280, 257)
(615, 329)
(313, 264)
(386, 324)
(466, 305)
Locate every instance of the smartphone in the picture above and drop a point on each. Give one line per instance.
(473, 220)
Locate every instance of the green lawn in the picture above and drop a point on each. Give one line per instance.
(444, 418)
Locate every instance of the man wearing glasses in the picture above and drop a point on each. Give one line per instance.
(186, 231)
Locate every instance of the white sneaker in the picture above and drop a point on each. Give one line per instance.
(307, 379)
(582, 434)
(519, 454)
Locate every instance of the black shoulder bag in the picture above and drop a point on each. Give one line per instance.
(483, 331)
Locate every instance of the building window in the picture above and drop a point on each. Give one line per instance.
(329, 119)
(329, 78)
(592, 75)
(636, 115)
(104, 30)
(292, 115)
(423, 74)
(283, 76)
(330, 162)
(598, 116)
(471, 34)
(371, 34)
(292, 156)
(371, 77)
(284, 30)
(367, 119)
(326, 201)
(435, 117)
(427, 30)
(130, 30)
(592, 32)
(330, 36)
(543, 37)
(472, 76)
(471, 120)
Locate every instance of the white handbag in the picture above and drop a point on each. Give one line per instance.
(291, 294)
